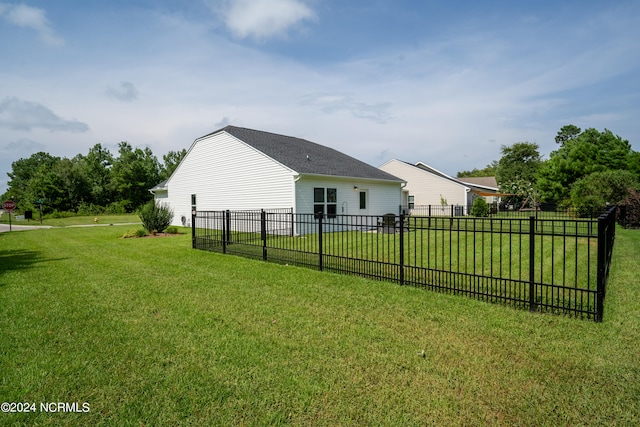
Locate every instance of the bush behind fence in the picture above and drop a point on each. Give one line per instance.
(542, 210)
(541, 264)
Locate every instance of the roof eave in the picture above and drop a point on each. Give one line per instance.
(486, 187)
(359, 178)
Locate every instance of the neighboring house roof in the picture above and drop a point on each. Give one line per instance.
(435, 171)
(159, 187)
(483, 181)
(306, 157)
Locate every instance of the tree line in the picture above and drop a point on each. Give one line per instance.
(98, 182)
(589, 170)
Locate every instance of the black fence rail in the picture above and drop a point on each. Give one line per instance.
(540, 264)
(503, 210)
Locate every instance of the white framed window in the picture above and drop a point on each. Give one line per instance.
(325, 201)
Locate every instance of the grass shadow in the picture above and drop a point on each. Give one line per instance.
(18, 259)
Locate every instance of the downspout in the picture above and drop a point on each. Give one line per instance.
(467, 190)
(296, 178)
(402, 187)
(294, 209)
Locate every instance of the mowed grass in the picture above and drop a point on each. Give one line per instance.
(73, 220)
(567, 261)
(151, 332)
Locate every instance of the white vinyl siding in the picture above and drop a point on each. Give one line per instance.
(226, 173)
(382, 197)
(427, 188)
(161, 195)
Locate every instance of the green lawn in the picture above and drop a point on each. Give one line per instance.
(564, 266)
(149, 332)
(74, 220)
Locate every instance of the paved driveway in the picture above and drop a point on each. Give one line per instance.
(14, 227)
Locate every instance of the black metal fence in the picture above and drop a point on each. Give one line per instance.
(540, 264)
(509, 210)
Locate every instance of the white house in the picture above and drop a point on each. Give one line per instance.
(243, 169)
(485, 186)
(427, 186)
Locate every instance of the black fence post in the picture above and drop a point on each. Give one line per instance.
(227, 221)
(263, 233)
(401, 249)
(320, 242)
(622, 215)
(602, 259)
(224, 231)
(532, 263)
(213, 231)
(292, 223)
(193, 229)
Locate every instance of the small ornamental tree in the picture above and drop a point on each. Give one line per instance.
(632, 203)
(590, 195)
(155, 217)
(480, 207)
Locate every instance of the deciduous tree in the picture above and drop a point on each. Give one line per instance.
(567, 133)
(589, 152)
(96, 167)
(594, 192)
(519, 161)
(133, 173)
(517, 171)
(22, 172)
(171, 161)
(489, 170)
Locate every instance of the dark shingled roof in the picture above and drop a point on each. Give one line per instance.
(306, 157)
(485, 181)
(160, 186)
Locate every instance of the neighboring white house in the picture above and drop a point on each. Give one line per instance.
(427, 186)
(236, 168)
(485, 186)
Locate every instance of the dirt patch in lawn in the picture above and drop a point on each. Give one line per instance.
(133, 235)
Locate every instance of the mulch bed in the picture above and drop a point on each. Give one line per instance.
(153, 236)
(162, 235)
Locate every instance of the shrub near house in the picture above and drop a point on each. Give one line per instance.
(480, 208)
(155, 217)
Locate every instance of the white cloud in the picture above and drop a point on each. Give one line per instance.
(449, 101)
(222, 123)
(33, 18)
(23, 145)
(262, 19)
(16, 114)
(334, 103)
(126, 92)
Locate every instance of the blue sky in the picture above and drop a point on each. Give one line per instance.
(442, 82)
